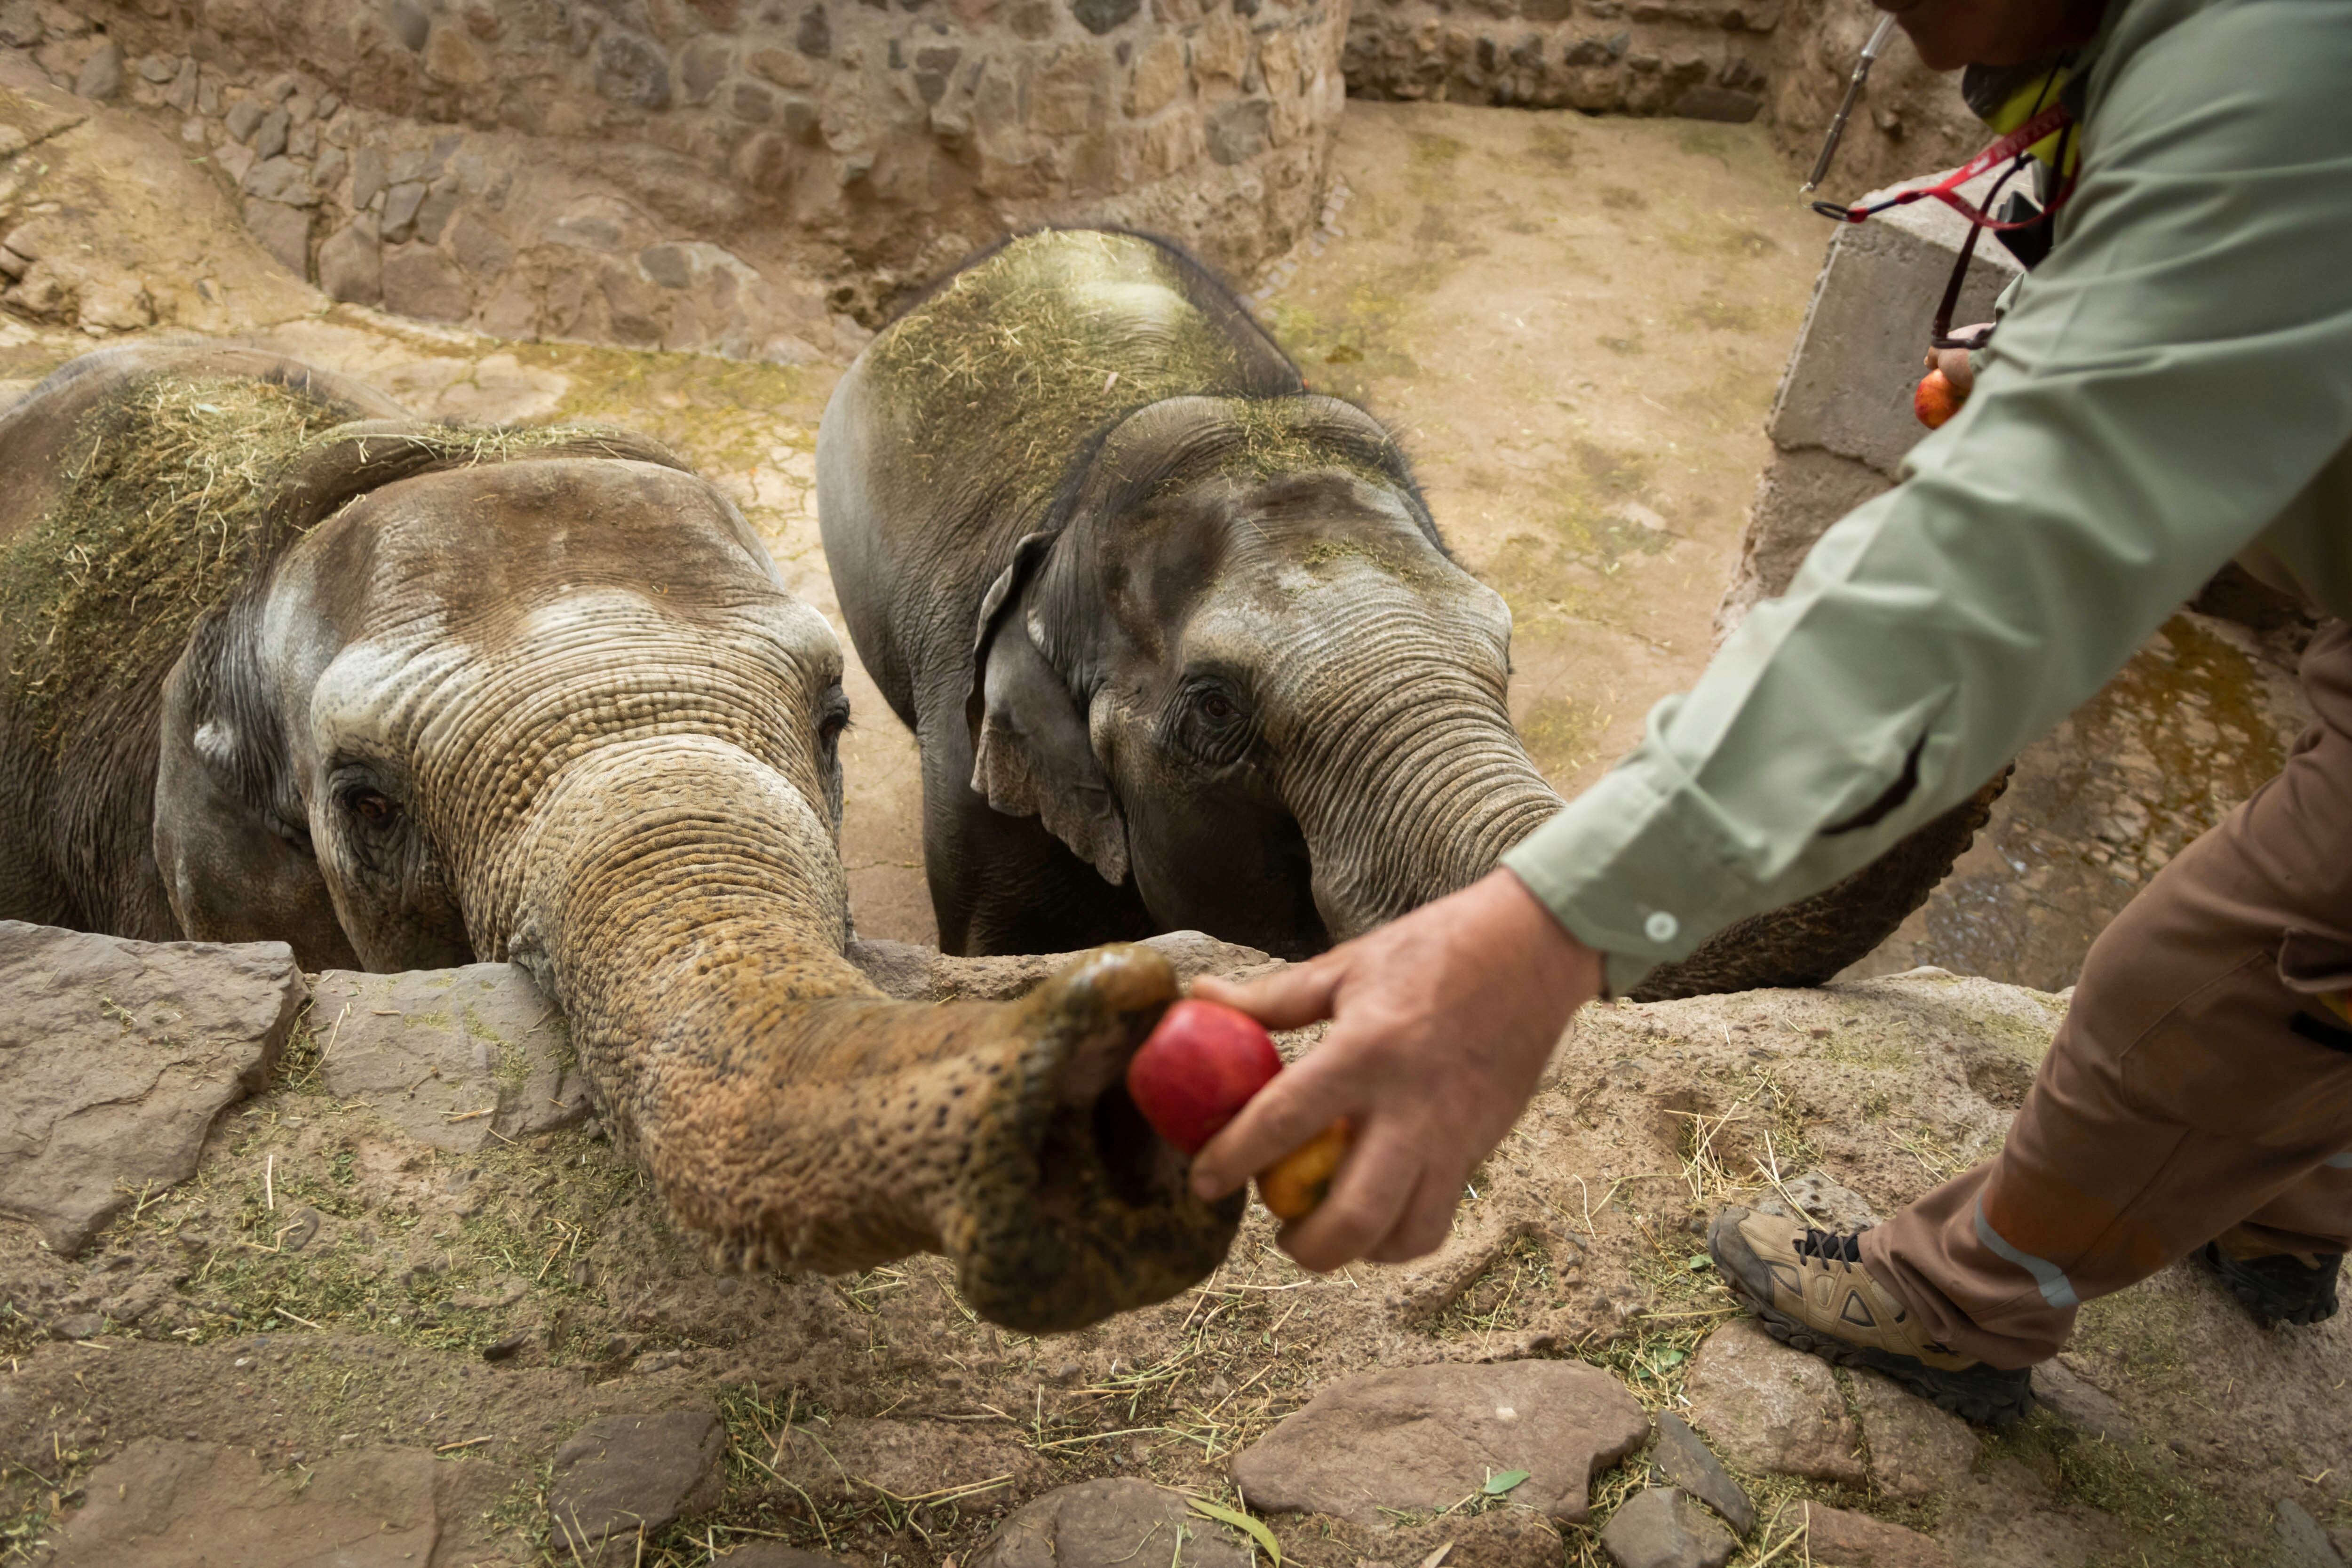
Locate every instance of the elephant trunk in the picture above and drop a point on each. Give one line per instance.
(1416, 794)
(685, 904)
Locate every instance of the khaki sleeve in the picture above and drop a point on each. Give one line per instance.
(2176, 371)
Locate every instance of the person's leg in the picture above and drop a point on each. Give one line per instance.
(2201, 1076)
(2200, 1079)
(2282, 1261)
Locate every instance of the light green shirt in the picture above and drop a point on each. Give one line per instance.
(2172, 387)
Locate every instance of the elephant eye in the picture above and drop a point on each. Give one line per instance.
(1214, 725)
(372, 806)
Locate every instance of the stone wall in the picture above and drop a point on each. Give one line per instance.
(1704, 58)
(666, 172)
(1786, 61)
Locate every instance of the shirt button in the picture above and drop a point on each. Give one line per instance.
(1661, 926)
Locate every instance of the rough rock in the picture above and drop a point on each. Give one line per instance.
(1661, 1527)
(284, 232)
(422, 282)
(1426, 1436)
(20, 24)
(1772, 1409)
(1691, 1465)
(1838, 1538)
(621, 1474)
(281, 179)
(2301, 1543)
(119, 1056)
(162, 1504)
(1915, 1449)
(351, 263)
(1100, 1524)
(913, 973)
(430, 1050)
(2087, 1409)
(100, 76)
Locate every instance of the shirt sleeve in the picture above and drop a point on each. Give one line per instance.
(2167, 380)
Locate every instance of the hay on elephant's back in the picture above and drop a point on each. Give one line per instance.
(168, 485)
(171, 500)
(1064, 331)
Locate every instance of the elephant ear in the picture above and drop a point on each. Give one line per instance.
(1031, 752)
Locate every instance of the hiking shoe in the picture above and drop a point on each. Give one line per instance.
(2275, 1287)
(1809, 1289)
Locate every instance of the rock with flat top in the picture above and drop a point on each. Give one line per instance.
(1772, 1409)
(623, 1475)
(118, 1056)
(2301, 1543)
(1428, 1437)
(1691, 1465)
(1661, 1527)
(1915, 1449)
(1116, 1523)
(190, 1505)
(1838, 1538)
(455, 1057)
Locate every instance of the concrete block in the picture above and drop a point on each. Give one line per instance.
(1858, 355)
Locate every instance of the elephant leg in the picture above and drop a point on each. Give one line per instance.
(1808, 942)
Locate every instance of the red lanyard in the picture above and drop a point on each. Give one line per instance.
(2010, 149)
(1946, 190)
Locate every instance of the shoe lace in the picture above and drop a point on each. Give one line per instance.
(1830, 1247)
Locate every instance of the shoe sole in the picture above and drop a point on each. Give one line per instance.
(1984, 1395)
(2269, 1306)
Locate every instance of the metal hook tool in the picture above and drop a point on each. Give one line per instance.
(1870, 53)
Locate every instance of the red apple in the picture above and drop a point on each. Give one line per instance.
(1198, 1069)
(1937, 399)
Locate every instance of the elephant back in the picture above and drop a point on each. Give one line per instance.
(132, 484)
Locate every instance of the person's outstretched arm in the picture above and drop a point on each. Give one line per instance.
(2170, 383)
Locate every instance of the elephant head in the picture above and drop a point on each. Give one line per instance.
(1177, 638)
(542, 697)
(1242, 670)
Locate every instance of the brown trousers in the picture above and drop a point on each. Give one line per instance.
(2201, 1081)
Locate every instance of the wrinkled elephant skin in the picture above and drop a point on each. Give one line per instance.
(1179, 642)
(419, 696)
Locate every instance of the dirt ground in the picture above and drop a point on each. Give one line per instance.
(1577, 324)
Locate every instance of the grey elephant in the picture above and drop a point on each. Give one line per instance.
(1178, 640)
(281, 662)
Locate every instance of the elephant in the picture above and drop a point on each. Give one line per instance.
(1178, 640)
(283, 663)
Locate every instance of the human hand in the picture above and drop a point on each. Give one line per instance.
(1443, 1021)
(1954, 363)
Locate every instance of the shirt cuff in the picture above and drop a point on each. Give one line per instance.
(1634, 870)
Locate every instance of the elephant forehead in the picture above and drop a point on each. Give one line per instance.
(475, 540)
(1345, 597)
(639, 624)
